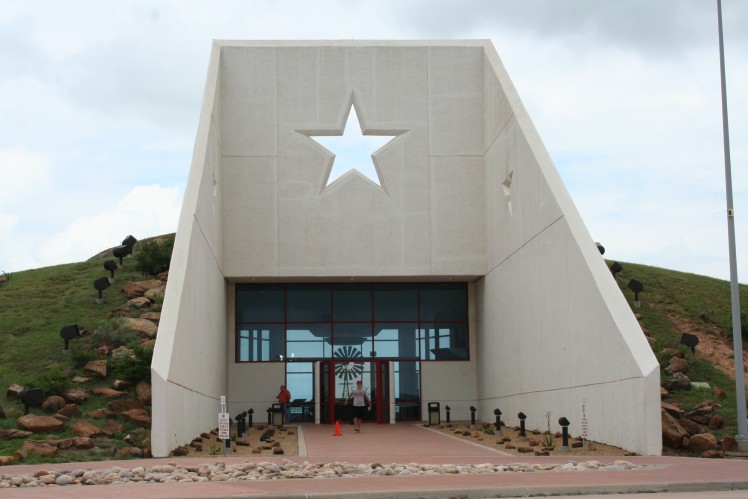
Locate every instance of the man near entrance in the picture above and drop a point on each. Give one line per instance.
(360, 400)
(284, 399)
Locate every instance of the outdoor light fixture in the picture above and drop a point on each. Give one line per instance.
(129, 241)
(600, 248)
(447, 409)
(240, 423)
(497, 413)
(564, 433)
(472, 416)
(249, 417)
(70, 333)
(522, 417)
(122, 251)
(101, 284)
(31, 397)
(111, 266)
(615, 268)
(637, 288)
(690, 340)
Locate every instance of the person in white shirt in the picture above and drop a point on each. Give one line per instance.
(360, 401)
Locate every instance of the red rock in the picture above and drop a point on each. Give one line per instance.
(144, 327)
(75, 395)
(14, 391)
(83, 428)
(70, 410)
(40, 424)
(110, 428)
(131, 451)
(83, 443)
(97, 367)
(143, 391)
(728, 443)
(40, 448)
(134, 289)
(81, 379)
(713, 454)
(702, 442)
(716, 422)
(107, 392)
(181, 451)
(677, 365)
(672, 432)
(53, 403)
(100, 414)
(672, 409)
(8, 434)
(6, 460)
(125, 405)
(691, 427)
(718, 393)
(120, 384)
(138, 416)
(151, 316)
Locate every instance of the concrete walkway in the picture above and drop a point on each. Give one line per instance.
(408, 443)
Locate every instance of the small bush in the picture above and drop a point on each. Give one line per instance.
(81, 354)
(134, 367)
(52, 381)
(113, 332)
(153, 257)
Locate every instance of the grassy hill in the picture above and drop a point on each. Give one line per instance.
(36, 304)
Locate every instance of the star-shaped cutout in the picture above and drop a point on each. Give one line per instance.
(353, 152)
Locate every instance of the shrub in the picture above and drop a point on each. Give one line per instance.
(113, 332)
(52, 381)
(134, 367)
(81, 354)
(153, 257)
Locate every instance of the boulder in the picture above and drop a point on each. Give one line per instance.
(701, 415)
(121, 352)
(718, 393)
(672, 432)
(692, 427)
(728, 443)
(70, 410)
(134, 289)
(14, 391)
(53, 403)
(672, 409)
(40, 424)
(39, 448)
(83, 443)
(163, 276)
(713, 454)
(679, 381)
(6, 460)
(181, 451)
(97, 367)
(674, 352)
(140, 302)
(677, 365)
(138, 416)
(716, 422)
(125, 405)
(83, 428)
(663, 393)
(151, 316)
(81, 379)
(144, 327)
(156, 293)
(702, 442)
(131, 451)
(8, 434)
(107, 392)
(2, 413)
(100, 413)
(120, 384)
(75, 395)
(143, 391)
(110, 428)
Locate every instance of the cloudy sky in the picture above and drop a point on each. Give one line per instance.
(99, 104)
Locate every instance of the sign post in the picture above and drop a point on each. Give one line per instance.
(585, 429)
(224, 427)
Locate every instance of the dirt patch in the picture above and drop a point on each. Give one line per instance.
(258, 442)
(484, 435)
(713, 346)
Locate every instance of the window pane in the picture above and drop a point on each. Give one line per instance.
(300, 381)
(395, 302)
(352, 340)
(261, 342)
(407, 381)
(259, 303)
(311, 341)
(308, 303)
(444, 302)
(396, 340)
(443, 342)
(352, 302)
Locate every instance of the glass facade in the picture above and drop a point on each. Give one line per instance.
(404, 321)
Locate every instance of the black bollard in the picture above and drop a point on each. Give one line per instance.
(446, 408)
(270, 416)
(497, 413)
(249, 418)
(472, 417)
(240, 425)
(564, 434)
(522, 417)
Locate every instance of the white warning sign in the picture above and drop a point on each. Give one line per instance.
(224, 426)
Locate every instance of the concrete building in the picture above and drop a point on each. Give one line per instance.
(461, 273)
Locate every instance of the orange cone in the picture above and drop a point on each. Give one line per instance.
(337, 430)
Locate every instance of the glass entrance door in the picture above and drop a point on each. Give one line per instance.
(337, 381)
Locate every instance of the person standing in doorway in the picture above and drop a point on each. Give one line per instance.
(284, 399)
(360, 401)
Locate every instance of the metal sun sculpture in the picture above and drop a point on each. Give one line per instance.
(350, 370)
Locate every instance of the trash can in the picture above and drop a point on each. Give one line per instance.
(277, 415)
(434, 415)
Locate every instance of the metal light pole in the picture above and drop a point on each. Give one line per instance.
(737, 341)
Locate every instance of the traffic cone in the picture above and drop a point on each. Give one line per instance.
(337, 430)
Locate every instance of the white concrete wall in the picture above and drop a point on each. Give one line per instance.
(549, 308)
(468, 191)
(188, 369)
